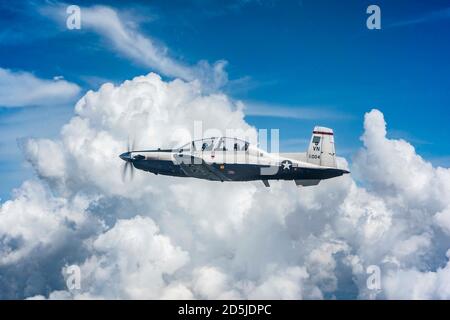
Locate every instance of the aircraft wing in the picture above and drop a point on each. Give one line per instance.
(197, 168)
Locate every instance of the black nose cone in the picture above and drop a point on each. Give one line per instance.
(126, 156)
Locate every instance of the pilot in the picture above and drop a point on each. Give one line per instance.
(246, 146)
(236, 146)
(204, 146)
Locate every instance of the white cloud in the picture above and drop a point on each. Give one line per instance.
(36, 153)
(21, 89)
(126, 38)
(253, 108)
(424, 18)
(130, 261)
(35, 220)
(415, 284)
(284, 284)
(395, 170)
(442, 219)
(166, 237)
(131, 42)
(211, 283)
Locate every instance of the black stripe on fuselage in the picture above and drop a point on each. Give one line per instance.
(157, 150)
(242, 172)
(164, 167)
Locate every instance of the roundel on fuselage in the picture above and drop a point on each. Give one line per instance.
(286, 166)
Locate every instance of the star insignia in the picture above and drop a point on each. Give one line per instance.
(286, 165)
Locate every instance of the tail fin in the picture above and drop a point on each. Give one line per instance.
(321, 148)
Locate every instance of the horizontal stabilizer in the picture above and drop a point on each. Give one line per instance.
(307, 183)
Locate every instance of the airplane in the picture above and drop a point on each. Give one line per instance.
(231, 159)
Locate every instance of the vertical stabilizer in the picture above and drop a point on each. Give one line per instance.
(321, 149)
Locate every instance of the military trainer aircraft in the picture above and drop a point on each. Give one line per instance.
(232, 159)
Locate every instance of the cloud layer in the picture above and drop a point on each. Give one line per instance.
(21, 89)
(165, 237)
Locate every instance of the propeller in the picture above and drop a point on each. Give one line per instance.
(125, 170)
(128, 165)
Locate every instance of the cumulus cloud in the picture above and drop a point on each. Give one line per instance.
(284, 284)
(415, 284)
(36, 220)
(130, 260)
(166, 237)
(21, 89)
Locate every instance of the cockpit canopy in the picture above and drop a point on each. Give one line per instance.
(216, 144)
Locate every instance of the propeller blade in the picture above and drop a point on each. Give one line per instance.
(131, 144)
(132, 171)
(124, 171)
(128, 162)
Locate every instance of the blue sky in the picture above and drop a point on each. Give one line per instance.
(308, 62)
